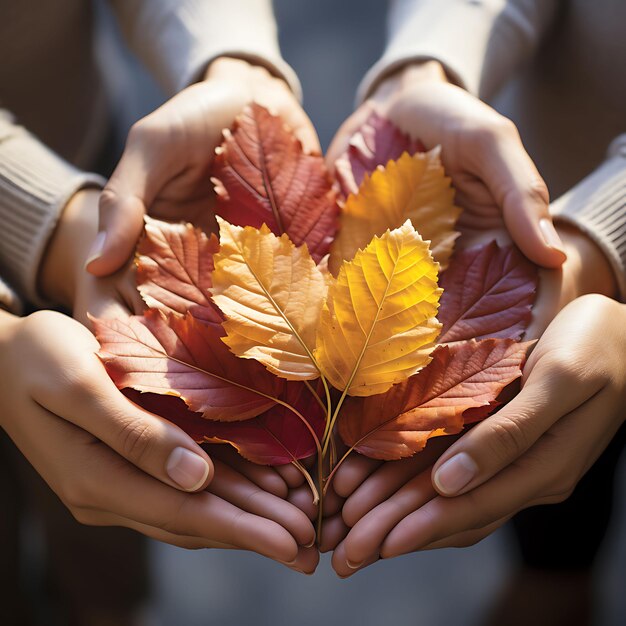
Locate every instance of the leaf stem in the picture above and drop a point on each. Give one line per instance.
(320, 505)
(315, 395)
(304, 421)
(330, 476)
(307, 477)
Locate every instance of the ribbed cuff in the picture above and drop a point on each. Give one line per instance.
(177, 39)
(597, 206)
(35, 185)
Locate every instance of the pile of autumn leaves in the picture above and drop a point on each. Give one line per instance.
(325, 307)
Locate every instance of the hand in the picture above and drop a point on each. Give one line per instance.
(164, 168)
(112, 463)
(496, 182)
(533, 451)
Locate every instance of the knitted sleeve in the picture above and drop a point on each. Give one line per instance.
(35, 185)
(176, 39)
(479, 42)
(597, 206)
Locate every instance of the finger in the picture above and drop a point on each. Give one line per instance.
(523, 196)
(126, 197)
(332, 503)
(290, 474)
(338, 562)
(467, 538)
(93, 517)
(353, 471)
(305, 131)
(341, 140)
(306, 560)
(92, 476)
(550, 392)
(364, 540)
(389, 477)
(231, 486)
(334, 532)
(265, 477)
(148, 441)
(546, 474)
(302, 498)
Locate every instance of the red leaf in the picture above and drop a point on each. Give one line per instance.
(488, 291)
(463, 376)
(375, 143)
(276, 437)
(181, 356)
(174, 267)
(262, 175)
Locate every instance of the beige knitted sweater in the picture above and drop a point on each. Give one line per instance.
(558, 68)
(53, 114)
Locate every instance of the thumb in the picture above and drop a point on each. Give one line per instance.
(498, 441)
(149, 442)
(123, 204)
(522, 194)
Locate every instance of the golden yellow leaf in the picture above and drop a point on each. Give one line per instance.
(378, 324)
(271, 294)
(413, 187)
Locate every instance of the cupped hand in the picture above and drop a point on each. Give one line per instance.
(112, 463)
(164, 170)
(496, 182)
(533, 451)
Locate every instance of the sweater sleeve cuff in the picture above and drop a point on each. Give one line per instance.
(35, 185)
(177, 39)
(9, 300)
(597, 206)
(478, 43)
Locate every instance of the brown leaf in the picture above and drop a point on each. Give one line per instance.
(181, 356)
(488, 292)
(275, 437)
(262, 176)
(460, 377)
(174, 266)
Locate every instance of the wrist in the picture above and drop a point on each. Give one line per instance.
(234, 66)
(408, 75)
(69, 247)
(587, 268)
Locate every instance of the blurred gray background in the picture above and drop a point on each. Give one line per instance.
(331, 44)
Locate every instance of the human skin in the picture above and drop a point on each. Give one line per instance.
(380, 495)
(120, 464)
(164, 168)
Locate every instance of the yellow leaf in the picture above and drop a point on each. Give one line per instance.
(378, 324)
(271, 294)
(413, 187)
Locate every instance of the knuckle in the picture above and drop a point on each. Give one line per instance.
(508, 438)
(76, 495)
(83, 516)
(136, 440)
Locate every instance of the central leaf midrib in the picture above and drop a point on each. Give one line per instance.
(276, 307)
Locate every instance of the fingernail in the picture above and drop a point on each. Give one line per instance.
(310, 545)
(97, 246)
(187, 469)
(550, 236)
(455, 473)
(352, 565)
